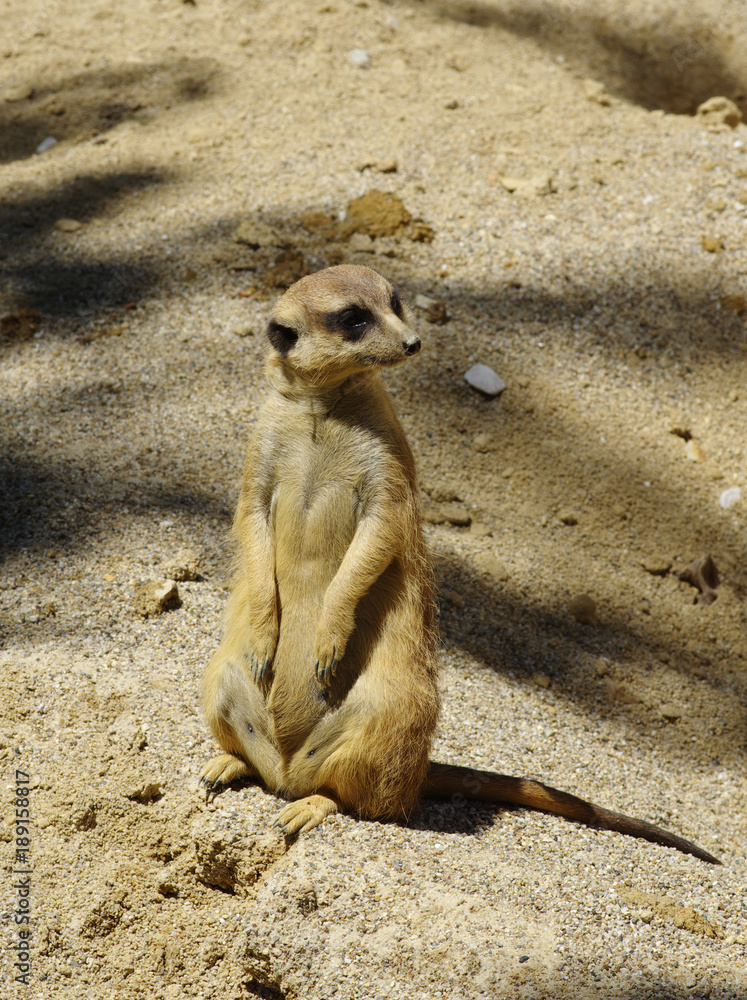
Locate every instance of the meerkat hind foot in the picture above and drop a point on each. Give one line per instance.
(305, 814)
(221, 771)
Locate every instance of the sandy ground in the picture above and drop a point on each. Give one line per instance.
(608, 291)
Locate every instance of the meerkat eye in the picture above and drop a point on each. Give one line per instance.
(396, 305)
(354, 321)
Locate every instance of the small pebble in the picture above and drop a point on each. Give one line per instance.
(22, 93)
(452, 597)
(670, 712)
(68, 225)
(432, 514)
(361, 243)
(46, 144)
(483, 443)
(360, 58)
(711, 245)
(437, 313)
(424, 302)
(167, 885)
(694, 451)
(657, 564)
(444, 494)
(212, 952)
(435, 310)
(729, 497)
(480, 530)
(541, 680)
(584, 610)
(597, 92)
(440, 513)
(719, 111)
(533, 186)
(154, 597)
(493, 566)
(258, 234)
(145, 793)
(186, 566)
(455, 513)
(485, 380)
(387, 166)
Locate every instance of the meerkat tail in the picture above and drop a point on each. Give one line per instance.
(447, 781)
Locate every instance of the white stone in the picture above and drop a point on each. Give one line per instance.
(729, 497)
(485, 380)
(360, 57)
(424, 302)
(46, 144)
(530, 187)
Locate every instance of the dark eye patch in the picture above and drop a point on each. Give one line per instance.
(352, 322)
(396, 305)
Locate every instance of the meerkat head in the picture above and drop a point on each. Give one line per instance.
(339, 322)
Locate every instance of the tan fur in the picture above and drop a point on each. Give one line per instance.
(324, 686)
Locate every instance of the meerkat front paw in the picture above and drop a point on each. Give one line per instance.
(259, 665)
(326, 663)
(305, 814)
(261, 651)
(329, 650)
(221, 771)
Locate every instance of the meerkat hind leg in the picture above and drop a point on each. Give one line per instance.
(305, 814)
(221, 771)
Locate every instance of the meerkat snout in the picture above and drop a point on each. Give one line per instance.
(411, 346)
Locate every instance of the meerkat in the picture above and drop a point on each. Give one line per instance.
(324, 687)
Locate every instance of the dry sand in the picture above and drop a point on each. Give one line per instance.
(608, 291)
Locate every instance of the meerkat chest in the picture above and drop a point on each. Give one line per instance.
(317, 501)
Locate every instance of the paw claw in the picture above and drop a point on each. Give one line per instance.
(259, 667)
(324, 667)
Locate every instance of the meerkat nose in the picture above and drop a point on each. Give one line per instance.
(411, 346)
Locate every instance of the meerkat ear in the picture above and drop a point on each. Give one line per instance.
(282, 338)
